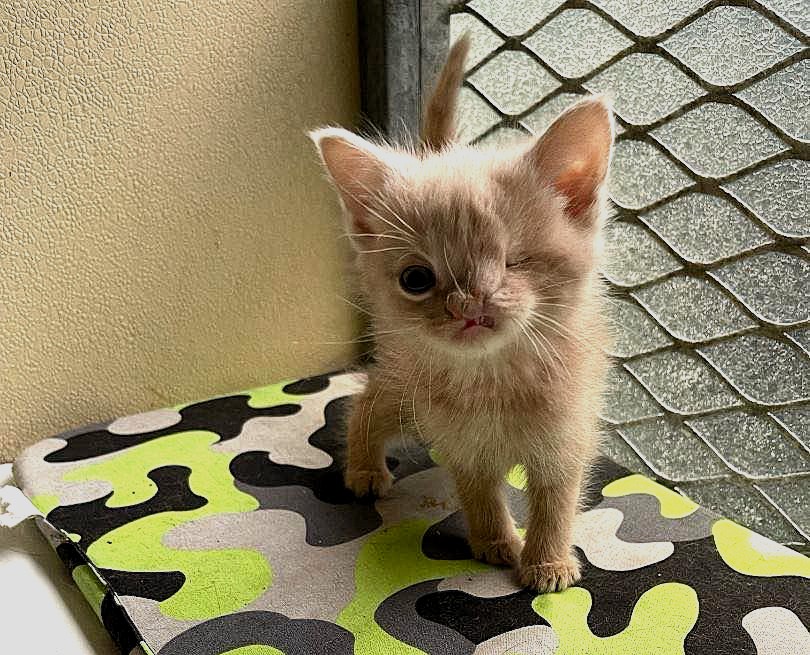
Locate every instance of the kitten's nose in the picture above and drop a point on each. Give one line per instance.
(465, 306)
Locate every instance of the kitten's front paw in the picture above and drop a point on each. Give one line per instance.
(550, 576)
(364, 482)
(501, 552)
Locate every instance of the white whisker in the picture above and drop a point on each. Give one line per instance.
(452, 275)
(430, 381)
(554, 304)
(381, 235)
(402, 400)
(369, 252)
(374, 212)
(379, 199)
(413, 398)
(396, 215)
(377, 316)
(387, 332)
(370, 413)
(562, 330)
(534, 345)
(365, 338)
(356, 306)
(556, 284)
(551, 347)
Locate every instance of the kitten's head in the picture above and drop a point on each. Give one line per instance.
(467, 250)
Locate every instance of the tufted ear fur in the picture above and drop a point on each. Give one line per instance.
(358, 170)
(573, 156)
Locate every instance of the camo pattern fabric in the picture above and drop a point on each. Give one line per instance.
(222, 527)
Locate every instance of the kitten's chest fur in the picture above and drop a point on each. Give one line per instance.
(508, 411)
(482, 411)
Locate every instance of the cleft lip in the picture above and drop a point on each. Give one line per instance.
(483, 321)
(486, 321)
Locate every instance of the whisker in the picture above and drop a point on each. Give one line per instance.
(371, 412)
(553, 356)
(430, 381)
(348, 342)
(402, 401)
(555, 304)
(377, 316)
(531, 341)
(553, 329)
(381, 235)
(366, 338)
(534, 344)
(566, 331)
(356, 306)
(542, 343)
(551, 347)
(395, 214)
(386, 332)
(369, 252)
(413, 398)
(546, 317)
(452, 275)
(374, 212)
(560, 283)
(377, 197)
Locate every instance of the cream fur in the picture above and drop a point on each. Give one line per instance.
(514, 234)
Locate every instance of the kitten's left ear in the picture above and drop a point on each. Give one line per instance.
(574, 153)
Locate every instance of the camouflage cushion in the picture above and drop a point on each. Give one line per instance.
(223, 527)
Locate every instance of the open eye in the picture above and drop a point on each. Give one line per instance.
(417, 280)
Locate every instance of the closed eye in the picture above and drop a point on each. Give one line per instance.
(518, 262)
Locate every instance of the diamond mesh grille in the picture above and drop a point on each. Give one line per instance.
(708, 255)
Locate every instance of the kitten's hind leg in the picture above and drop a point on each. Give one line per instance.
(372, 420)
(492, 536)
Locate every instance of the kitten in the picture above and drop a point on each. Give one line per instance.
(479, 266)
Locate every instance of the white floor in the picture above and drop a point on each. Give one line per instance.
(41, 610)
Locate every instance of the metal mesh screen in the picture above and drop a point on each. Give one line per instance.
(708, 254)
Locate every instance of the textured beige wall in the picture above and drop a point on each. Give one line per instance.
(165, 232)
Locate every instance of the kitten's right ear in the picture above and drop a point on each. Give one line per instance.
(358, 170)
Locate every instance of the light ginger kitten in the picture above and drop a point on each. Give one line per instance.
(479, 267)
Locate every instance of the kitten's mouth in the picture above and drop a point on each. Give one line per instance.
(477, 326)
(483, 321)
